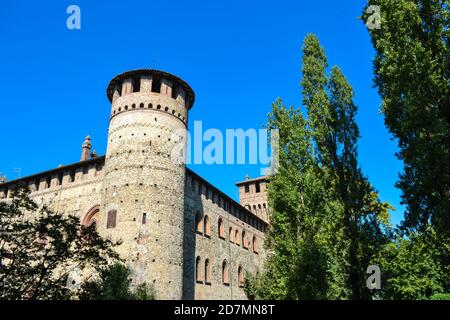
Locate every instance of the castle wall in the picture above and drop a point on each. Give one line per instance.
(166, 216)
(78, 197)
(61, 194)
(213, 204)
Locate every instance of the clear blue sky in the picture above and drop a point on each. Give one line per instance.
(238, 56)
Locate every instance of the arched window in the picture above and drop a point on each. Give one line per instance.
(207, 227)
(244, 240)
(91, 217)
(207, 272)
(231, 235)
(225, 273)
(199, 222)
(198, 276)
(255, 244)
(236, 238)
(221, 229)
(259, 210)
(241, 280)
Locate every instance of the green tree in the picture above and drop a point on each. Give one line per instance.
(411, 267)
(327, 222)
(412, 70)
(113, 283)
(331, 117)
(39, 247)
(296, 267)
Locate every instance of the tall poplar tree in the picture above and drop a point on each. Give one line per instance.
(331, 117)
(412, 74)
(297, 262)
(327, 220)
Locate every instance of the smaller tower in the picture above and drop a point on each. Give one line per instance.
(86, 149)
(253, 196)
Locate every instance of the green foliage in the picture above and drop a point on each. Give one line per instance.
(440, 296)
(39, 247)
(327, 222)
(357, 230)
(412, 74)
(296, 265)
(412, 268)
(113, 283)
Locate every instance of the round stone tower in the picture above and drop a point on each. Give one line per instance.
(143, 187)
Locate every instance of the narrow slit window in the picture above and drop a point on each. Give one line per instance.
(111, 219)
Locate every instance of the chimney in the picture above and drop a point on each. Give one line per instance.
(86, 149)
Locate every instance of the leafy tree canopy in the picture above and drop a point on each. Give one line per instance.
(40, 247)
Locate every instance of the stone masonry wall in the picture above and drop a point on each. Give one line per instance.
(146, 189)
(256, 202)
(70, 197)
(217, 249)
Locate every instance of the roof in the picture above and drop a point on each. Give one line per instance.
(140, 72)
(263, 178)
(61, 168)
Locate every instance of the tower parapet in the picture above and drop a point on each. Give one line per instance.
(143, 188)
(150, 89)
(253, 196)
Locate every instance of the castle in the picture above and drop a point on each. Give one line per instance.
(179, 233)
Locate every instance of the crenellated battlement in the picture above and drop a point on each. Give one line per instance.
(150, 81)
(147, 89)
